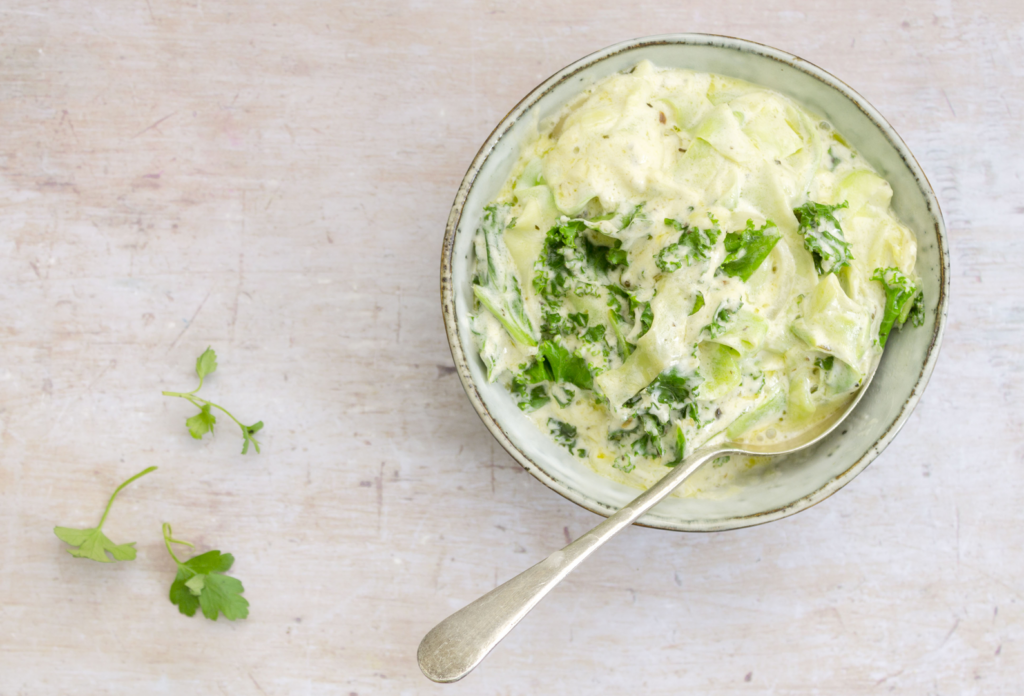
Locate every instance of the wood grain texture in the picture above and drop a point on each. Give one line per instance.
(273, 179)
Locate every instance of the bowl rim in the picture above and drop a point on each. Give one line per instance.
(743, 46)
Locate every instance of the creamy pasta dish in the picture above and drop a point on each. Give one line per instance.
(680, 256)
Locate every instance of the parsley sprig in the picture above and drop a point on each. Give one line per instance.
(92, 543)
(201, 583)
(203, 422)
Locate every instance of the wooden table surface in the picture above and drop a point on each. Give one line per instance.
(273, 179)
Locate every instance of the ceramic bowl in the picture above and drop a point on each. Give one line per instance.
(788, 484)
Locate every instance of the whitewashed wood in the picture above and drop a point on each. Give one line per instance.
(273, 179)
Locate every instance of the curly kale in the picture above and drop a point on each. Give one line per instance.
(823, 236)
(496, 285)
(904, 300)
(747, 249)
(693, 244)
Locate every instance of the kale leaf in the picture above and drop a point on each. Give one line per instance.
(562, 433)
(526, 398)
(680, 448)
(668, 398)
(571, 262)
(605, 258)
(904, 300)
(496, 285)
(624, 464)
(624, 347)
(628, 310)
(572, 324)
(694, 243)
(747, 249)
(625, 219)
(554, 324)
(825, 364)
(823, 236)
(594, 334)
(672, 389)
(649, 443)
(565, 366)
(723, 315)
(556, 364)
(637, 213)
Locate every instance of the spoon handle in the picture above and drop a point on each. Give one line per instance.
(459, 643)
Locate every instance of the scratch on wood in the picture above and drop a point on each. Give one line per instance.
(840, 617)
(257, 684)
(189, 324)
(398, 329)
(437, 573)
(949, 103)
(949, 635)
(88, 390)
(491, 466)
(957, 508)
(154, 125)
(238, 293)
(65, 116)
(380, 495)
(889, 676)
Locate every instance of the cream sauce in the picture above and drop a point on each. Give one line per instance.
(699, 154)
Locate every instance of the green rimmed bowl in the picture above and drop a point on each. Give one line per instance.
(788, 484)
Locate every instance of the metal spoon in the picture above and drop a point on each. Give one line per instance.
(459, 643)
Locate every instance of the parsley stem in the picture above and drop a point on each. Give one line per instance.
(199, 401)
(168, 540)
(203, 422)
(118, 490)
(194, 390)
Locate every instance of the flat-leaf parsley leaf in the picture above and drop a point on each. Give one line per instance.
(201, 584)
(93, 543)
